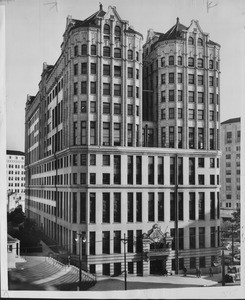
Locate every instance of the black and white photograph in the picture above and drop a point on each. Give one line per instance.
(121, 137)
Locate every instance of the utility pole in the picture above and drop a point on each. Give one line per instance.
(223, 268)
(124, 240)
(232, 244)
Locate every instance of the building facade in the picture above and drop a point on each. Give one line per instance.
(230, 167)
(15, 161)
(96, 163)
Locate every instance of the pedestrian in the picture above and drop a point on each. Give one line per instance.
(185, 271)
(197, 271)
(211, 273)
(200, 273)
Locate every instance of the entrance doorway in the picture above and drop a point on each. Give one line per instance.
(156, 267)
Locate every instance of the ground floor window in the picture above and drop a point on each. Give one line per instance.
(130, 267)
(181, 263)
(106, 269)
(117, 268)
(202, 262)
(139, 268)
(192, 262)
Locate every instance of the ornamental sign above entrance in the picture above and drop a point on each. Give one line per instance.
(156, 243)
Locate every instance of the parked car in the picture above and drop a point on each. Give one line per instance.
(233, 274)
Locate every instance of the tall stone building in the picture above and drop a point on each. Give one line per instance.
(98, 162)
(230, 167)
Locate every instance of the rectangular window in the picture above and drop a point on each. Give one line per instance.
(138, 207)
(212, 237)
(130, 109)
(83, 133)
(106, 133)
(191, 78)
(192, 206)
(92, 178)
(117, 71)
(212, 205)
(180, 95)
(92, 208)
(160, 170)
(181, 246)
(106, 70)
(84, 87)
(106, 242)
(181, 206)
(117, 241)
(75, 88)
(191, 97)
(117, 134)
(163, 78)
(106, 89)
(83, 208)
(180, 137)
(138, 170)
(93, 107)
(130, 91)
(172, 206)
(130, 72)
(171, 95)
(75, 140)
(117, 208)
(171, 113)
(172, 170)
(180, 113)
(117, 108)
(130, 207)
(151, 207)
(130, 242)
(92, 243)
(191, 137)
(171, 136)
(180, 77)
(106, 108)
(160, 207)
(151, 170)
(200, 114)
(201, 237)
(84, 68)
(92, 133)
(93, 87)
(106, 178)
(74, 208)
(211, 80)
(200, 97)
(200, 79)
(117, 89)
(106, 208)
(191, 114)
(163, 96)
(93, 68)
(75, 69)
(83, 178)
(171, 77)
(106, 160)
(211, 98)
(130, 170)
(202, 262)
(117, 169)
(83, 106)
(192, 262)
(192, 236)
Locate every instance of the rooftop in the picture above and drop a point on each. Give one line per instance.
(15, 152)
(233, 120)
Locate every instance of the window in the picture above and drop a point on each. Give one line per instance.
(117, 108)
(200, 138)
(106, 160)
(151, 170)
(163, 96)
(171, 95)
(180, 137)
(180, 77)
(83, 179)
(191, 137)
(130, 169)
(200, 114)
(75, 104)
(106, 178)
(211, 80)
(76, 50)
(151, 207)
(190, 62)
(191, 114)
(92, 133)
(106, 51)
(117, 71)
(84, 49)
(212, 205)
(201, 237)
(200, 97)
(106, 70)
(130, 207)
(191, 170)
(201, 179)
(117, 89)
(211, 64)
(200, 63)
(171, 77)
(163, 78)
(117, 53)
(138, 207)
(130, 72)
(171, 113)
(75, 88)
(229, 137)
(191, 78)
(117, 31)
(192, 206)
(212, 179)
(212, 237)
(130, 135)
(181, 207)
(211, 115)
(117, 169)
(180, 95)
(117, 134)
(192, 235)
(191, 96)
(107, 29)
(106, 243)
(75, 69)
(130, 109)
(163, 113)
(106, 133)
(130, 54)
(179, 60)
(162, 61)
(201, 206)
(93, 50)
(84, 68)
(160, 170)
(106, 89)
(171, 60)
(93, 68)
(202, 262)
(172, 207)
(130, 91)
(190, 41)
(106, 208)
(84, 87)
(92, 178)
(137, 74)
(75, 133)
(211, 98)
(106, 108)
(117, 208)
(200, 79)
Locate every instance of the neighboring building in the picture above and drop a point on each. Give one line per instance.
(13, 252)
(230, 167)
(96, 167)
(15, 178)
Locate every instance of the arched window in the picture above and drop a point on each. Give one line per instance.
(106, 51)
(117, 53)
(130, 54)
(106, 29)
(93, 50)
(84, 49)
(211, 64)
(200, 63)
(199, 42)
(190, 41)
(117, 31)
(179, 60)
(171, 60)
(190, 62)
(162, 61)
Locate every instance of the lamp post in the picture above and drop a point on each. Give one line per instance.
(124, 240)
(78, 239)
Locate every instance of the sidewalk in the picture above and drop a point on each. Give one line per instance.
(105, 283)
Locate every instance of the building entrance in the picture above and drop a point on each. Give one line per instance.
(156, 267)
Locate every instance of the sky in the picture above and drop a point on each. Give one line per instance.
(34, 33)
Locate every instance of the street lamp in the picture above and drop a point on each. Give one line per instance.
(78, 239)
(124, 240)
